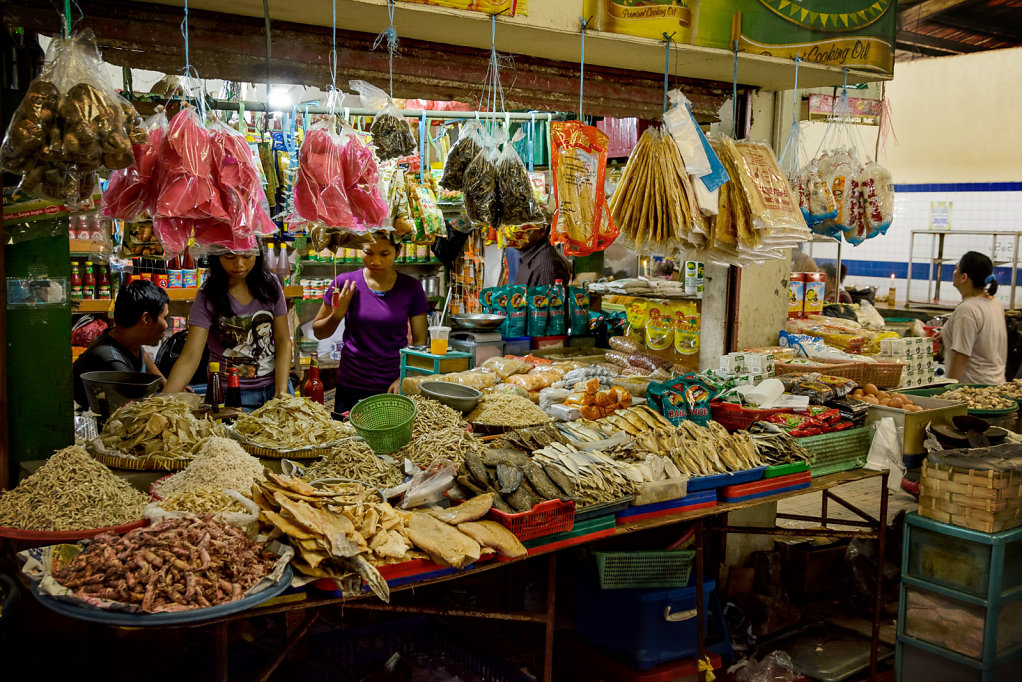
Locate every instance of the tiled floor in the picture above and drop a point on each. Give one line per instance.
(862, 494)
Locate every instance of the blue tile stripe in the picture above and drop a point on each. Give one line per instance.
(920, 271)
(962, 187)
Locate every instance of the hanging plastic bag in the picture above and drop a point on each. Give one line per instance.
(579, 158)
(131, 190)
(877, 189)
(239, 181)
(320, 187)
(517, 198)
(482, 202)
(362, 182)
(885, 452)
(471, 141)
(392, 136)
(686, 134)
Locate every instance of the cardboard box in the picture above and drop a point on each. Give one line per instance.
(733, 363)
(760, 363)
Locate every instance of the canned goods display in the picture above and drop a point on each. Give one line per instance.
(162, 280)
(177, 279)
(202, 274)
(190, 278)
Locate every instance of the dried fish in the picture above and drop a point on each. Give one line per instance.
(509, 478)
(221, 464)
(505, 409)
(160, 426)
(290, 423)
(355, 460)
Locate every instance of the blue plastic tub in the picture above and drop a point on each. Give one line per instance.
(632, 624)
(720, 480)
(679, 504)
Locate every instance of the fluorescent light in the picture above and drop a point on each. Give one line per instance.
(280, 98)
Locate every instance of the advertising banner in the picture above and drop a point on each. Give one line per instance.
(510, 7)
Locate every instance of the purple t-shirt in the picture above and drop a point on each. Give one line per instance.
(376, 329)
(245, 340)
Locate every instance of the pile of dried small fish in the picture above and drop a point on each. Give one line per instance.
(432, 415)
(505, 409)
(633, 421)
(703, 450)
(202, 502)
(777, 446)
(72, 491)
(160, 426)
(221, 464)
(448, 443)
(517, 482)
(596, 476)
(355, 460)
(290, 423)
(531, 438)
(176, 565)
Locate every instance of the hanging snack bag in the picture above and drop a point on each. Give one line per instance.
(556, 324)
(482, 203)
(877, 189)
(659, 328)
(637, 314)
(819, 196)
(579, 162)
(362, 182)
(392, 136)
(538, 303)
(517, 198)
(320, 188)
(687, 323)
(471, 141)
(486, 300)
(764, 186)
(578, 310)
(131, 190)
(499, 300)
(517, 307)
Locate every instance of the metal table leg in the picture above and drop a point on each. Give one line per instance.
(551, 592)
(220, 655)
(700, 608)
(878, 605)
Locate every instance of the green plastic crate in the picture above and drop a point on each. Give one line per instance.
(580, 528)
(838, 451)
(778, 470)
(645, 569)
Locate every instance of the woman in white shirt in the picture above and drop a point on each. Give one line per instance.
(975, 336)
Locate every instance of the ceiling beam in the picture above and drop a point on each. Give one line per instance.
(928, 9)
(942, 45)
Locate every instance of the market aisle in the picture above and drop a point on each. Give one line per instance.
(863, 494)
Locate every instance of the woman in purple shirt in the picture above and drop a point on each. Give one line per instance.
(377, 305)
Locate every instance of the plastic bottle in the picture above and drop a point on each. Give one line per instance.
(88, 282)
(76, 281)
(232, 396)
(102, 284)
(214, 392)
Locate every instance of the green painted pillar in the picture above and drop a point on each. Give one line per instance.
(40, 402)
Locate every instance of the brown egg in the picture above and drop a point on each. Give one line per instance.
(870, 389)
(917, 408)
(857, 393)
(870, 399)
(883, 394)
(886, 402)
(895, 401)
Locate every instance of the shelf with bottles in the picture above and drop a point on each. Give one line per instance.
(355, 265)
(98, 305)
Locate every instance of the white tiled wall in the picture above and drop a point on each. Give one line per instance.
(971, 211)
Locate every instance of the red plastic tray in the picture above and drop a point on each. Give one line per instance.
(545, 518)
(52, 537)
(734, 417)
(766, 485)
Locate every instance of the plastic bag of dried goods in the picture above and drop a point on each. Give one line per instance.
(517, 198)
(392, 136)
(132, 190)
(471, 141)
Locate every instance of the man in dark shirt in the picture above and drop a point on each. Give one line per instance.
(540, 263)
(140, 318)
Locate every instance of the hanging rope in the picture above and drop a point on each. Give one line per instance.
(794, 134)
(266, 19)
(734, 95)
(333, 49)
(493, 92)
(582, 66)
(390, 35)
(189, 70)
(667, 64)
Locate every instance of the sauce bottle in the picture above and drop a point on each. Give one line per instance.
(214, 392)
(76, 281)
(313, 388)
(102, 284)
(88, 282)
(232, 397)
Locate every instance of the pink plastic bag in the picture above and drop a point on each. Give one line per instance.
(131, 190)
(320, 195)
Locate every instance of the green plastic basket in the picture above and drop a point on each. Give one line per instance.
(652, 569)
(384, 421)
(838, 451)
(778, 470)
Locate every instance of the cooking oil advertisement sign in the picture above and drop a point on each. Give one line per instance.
(509, 7)
(848, 33)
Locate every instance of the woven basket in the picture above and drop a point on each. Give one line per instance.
(987, 501)
(882, 374)
(835, 368)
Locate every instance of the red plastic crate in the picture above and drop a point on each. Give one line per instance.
(765, 485)
(545, 518)
(734, 417)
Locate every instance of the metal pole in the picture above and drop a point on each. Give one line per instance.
(233, 105)
(878, 605)
(1014, 272)
(700, 608)
(548, 640)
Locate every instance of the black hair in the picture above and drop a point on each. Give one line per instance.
(261, 284)
(137, 298)
(831, 271)
(980, 271)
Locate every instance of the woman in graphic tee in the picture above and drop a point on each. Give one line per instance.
(378, 305)
(241, 315)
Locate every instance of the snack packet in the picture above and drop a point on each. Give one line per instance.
(556, 324)
(578, 306)
(517, 308)
(659, 328)
(392, 136)
(538, 305)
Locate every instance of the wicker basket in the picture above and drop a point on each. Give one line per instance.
(847, 369)
(882, 374)
(987, 501)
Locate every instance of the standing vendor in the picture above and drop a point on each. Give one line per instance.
(240, 313)
(377, 304)
(540, 263)
(140, 318)
(975, 335)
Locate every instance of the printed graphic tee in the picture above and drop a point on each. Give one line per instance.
(244, 340)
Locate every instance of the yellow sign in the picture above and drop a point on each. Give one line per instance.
(512, 7)
(871, 54)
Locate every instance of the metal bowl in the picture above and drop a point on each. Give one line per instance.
(478, 321)
(107, 391)
(455, 396)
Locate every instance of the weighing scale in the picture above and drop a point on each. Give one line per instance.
(480, 345)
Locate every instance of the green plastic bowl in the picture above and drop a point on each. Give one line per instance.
(384, 421)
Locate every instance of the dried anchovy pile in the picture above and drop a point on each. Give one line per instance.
(432, 415)
(356, 460)
(159, 426)
(221, 464)
(446, 443)
(458, 160)
(517, 198)
(72, 491)
(291, 422)
(482, 205)
(202, 502)
(504, 409)
(392, 137)
(177, 565)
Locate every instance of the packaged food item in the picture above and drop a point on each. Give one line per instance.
(486, 300)
(687, 325)
(796, 295)
(517, 311)
(474, 378)
(556, 324)
(320, 187)
(624, 344)
(637, 312)
(528, 382)
(582, 221)
(517, 200)
(538, 306)
(506, 367)
(471, 141)
(877, 189)
(392, 136)
(815, 284)
(682, 398)
(659, 328)
(499, 301)
(482, 203)
(512, 389)
(578, 305)
(617, 358)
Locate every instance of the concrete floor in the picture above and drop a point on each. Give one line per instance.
(862, 494)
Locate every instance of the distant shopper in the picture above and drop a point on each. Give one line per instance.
(140, 318)
(833, 291)
(802, 261)
(975, 335)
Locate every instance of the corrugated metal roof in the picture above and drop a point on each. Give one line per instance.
(933, 28)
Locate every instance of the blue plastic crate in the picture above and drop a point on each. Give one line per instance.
(632, 625)
(680, 504)
(720, 480)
